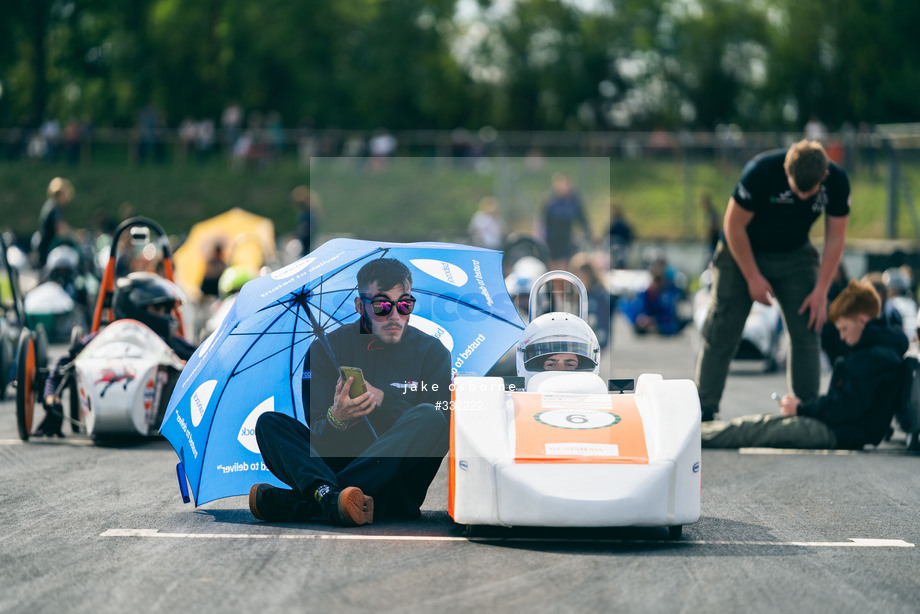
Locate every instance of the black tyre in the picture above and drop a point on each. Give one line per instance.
(41, 346)
(25, 379)
(6, 366)
(76, 335)
(519, 246)
(74, 404)
(675, 531)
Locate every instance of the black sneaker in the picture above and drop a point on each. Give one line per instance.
(348, 507)
(273, 504)
(51, 425)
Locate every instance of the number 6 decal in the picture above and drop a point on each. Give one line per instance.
(584, 419)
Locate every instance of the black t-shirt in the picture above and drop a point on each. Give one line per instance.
(781, 219)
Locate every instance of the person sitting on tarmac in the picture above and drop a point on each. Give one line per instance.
(864, 390)
(557, 341)
(145, 297)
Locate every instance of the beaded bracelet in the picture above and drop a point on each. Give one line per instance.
(335, 423)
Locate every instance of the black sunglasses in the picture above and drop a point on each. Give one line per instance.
(383, 306)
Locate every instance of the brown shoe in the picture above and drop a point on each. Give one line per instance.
(352, 507)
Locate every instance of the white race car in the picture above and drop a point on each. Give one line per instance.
(119, 383)
(565, 452)
(124, 377)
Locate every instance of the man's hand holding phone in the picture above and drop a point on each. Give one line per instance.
(354, 397)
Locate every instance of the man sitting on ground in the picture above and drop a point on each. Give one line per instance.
(862, 397)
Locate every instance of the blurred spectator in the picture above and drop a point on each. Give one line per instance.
(713, 223)
(150, 127)
(601, 303)
(890, 314)
(563, 210)
(275, 132)
(213, 269)
(381, 147)
(621, 236)
(655, 309)
(486, 228)
(231, 122)
(188, 129)
(73, 137)
(815, 130)
(51, 224)
(308, 210)
(204, 138)
(898, 282)
(51, 134)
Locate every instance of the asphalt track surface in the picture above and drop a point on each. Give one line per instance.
(93, 528)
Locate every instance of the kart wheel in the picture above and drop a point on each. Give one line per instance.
(74, 392)
(6, 366)
(76, 334)
(675, 531)
(41, 346)
(25, 378)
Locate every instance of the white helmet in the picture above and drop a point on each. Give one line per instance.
(556, 333)
(897, 281)
(523, 274)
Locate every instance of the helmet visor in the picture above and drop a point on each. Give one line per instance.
(534, 354)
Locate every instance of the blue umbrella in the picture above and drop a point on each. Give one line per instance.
(254, 362)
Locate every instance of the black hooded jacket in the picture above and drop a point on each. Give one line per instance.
(865, 388)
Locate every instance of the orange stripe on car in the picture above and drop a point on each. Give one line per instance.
(578, 428)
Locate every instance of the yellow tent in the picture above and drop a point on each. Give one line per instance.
(247, 240)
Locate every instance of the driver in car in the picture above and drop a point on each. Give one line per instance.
(557, 342)
(145, 297)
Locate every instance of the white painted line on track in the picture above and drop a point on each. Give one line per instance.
(796, 451)
(853, 542)
(805, 452)
(57, 441)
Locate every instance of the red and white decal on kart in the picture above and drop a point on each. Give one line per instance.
(150, 394)
(578, 428)
(114, 375)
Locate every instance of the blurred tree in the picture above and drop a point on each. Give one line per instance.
(847, 60)
(715, 53)
(528, 64)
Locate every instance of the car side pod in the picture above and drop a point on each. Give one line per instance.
(566, 453)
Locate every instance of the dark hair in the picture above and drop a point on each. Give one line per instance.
(387, 272)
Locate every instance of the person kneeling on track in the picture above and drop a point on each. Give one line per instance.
(862, 397)
(145, 297)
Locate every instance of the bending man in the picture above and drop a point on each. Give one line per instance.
(765, 253)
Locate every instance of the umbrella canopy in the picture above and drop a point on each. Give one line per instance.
(254, 362)
(248, 240)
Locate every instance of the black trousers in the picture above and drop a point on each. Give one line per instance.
(395, 470)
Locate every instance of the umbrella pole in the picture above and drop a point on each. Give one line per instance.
(320, 335)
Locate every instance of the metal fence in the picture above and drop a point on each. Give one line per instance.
(86, 145)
